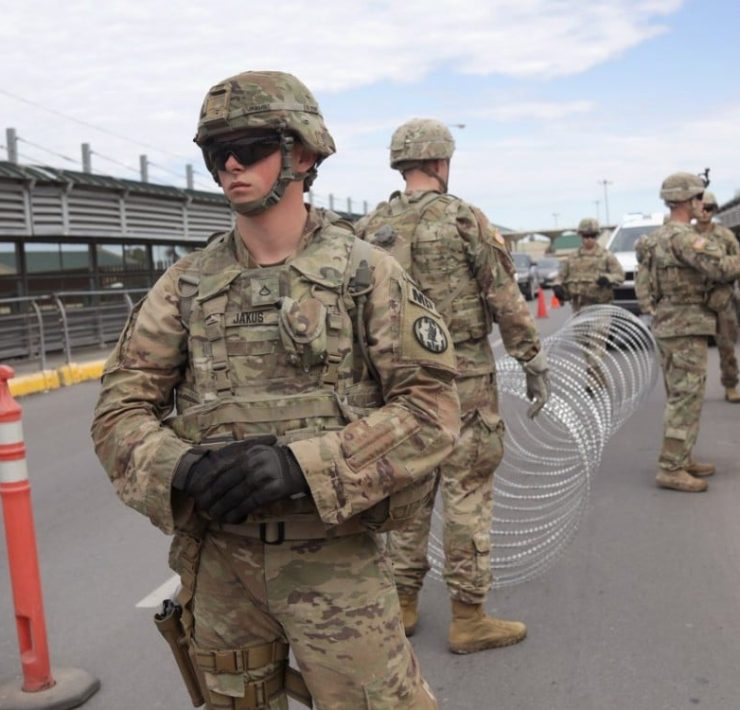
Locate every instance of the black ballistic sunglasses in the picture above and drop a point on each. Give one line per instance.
(246, 151)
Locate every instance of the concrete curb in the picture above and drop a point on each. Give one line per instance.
(63, 376)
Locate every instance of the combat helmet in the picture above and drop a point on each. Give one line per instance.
(589, 225)
(681, 187)
(709, 199)
(421, 139)
(270, 103)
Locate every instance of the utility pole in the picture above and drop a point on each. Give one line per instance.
(144, 167)
(11, 142)
(555, 216)
(189, 176)
(606, 198)
(86, 161)
(598, 213)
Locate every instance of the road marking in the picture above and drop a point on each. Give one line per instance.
(163, 591)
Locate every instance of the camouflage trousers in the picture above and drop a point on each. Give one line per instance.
(465, 481)
(726, 339)
(333, 601)
(684, 363)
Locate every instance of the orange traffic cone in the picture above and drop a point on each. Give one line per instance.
(554, 301)
(541, 306)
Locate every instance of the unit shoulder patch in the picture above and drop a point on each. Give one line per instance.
(430, 336)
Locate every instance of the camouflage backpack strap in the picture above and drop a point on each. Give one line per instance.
(445, 303)
(359, 281)
(187, 286)
(189, 281)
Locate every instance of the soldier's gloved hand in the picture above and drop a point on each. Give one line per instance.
(559, 292)
(603, 281)
(538, 385)
(268, 474)
(200, 469)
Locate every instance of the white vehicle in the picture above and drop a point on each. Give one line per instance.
(622, 245)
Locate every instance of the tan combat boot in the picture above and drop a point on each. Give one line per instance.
(732, 395)
(472, 630)
(680, 481)
(701, 470)
(409, 612)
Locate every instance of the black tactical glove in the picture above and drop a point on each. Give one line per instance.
(200, 469)
(603, 281)
(268, 474)
(559, 292)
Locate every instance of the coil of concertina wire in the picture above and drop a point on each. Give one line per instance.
(603, 365)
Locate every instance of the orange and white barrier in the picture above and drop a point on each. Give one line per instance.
(20, 537)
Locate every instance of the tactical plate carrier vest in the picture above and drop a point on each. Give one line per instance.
(422, 235)
(583, 270)
(278, 350)
(676, 283)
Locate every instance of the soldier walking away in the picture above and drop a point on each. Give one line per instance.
(727, 317)
(465, 274)
(677, 282)
(588, 278)
(308, 416)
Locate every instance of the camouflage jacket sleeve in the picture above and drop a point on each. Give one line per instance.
(138, 452)
(353, 469)
(729, 240)
(494, 272)
(615, 272)
(705, 255)
(563, 274)
(643, 290)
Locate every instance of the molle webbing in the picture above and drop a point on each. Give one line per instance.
(241, 660)
(257, 693)
(214, 310)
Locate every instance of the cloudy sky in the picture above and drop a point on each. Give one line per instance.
(556, 96)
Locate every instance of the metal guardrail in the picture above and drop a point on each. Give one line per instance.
(33, 327)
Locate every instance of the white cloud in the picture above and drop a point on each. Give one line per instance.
(139, 70)
(539, 110)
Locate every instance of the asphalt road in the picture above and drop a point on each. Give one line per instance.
(642, 612)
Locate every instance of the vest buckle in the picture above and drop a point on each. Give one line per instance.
(276, 530)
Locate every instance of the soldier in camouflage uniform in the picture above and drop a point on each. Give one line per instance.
(727, 317)
(313, 395)
(587, 278)
(460, 263)
(676, 282)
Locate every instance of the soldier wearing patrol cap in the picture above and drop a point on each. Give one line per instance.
(676, 282)
(313, 395)
(587, 278)
(727, 316)
(465, 274)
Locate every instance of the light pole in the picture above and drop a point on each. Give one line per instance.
(606, 198)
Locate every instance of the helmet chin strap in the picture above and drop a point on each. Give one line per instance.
(442, 183)
(286, 175)
(423, 166)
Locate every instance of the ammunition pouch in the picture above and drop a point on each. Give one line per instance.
(168, 624)
(228, 689)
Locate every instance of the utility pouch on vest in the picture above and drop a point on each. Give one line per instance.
(400, 508)
(718, 298)
(168, 624)
(302, 328)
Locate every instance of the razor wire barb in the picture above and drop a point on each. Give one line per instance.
(603, 365)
